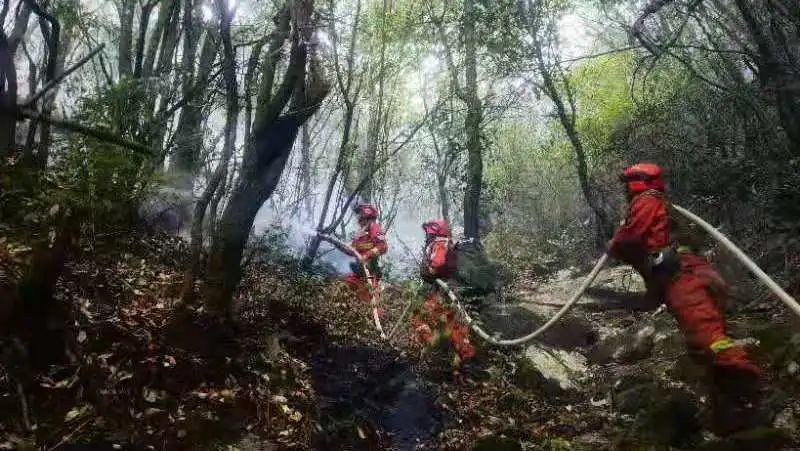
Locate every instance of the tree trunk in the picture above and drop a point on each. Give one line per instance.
(313, 246)
(376, 116)
(350, 98)
(472, 125)
(254, 188)
(8, 79)
(231, 123)
(48, 104)
(779, 76)
(567, 120)
(305, 174)
(189, 131)
(274, 136)
(144, 23)
(441, 181)
(165, 9)
(38, 322)
(8, 99)
(125, 12)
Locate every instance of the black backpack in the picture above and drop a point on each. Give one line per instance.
(475, 274)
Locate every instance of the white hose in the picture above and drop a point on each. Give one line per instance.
(367, 276)
(546, 326)
(783, 295)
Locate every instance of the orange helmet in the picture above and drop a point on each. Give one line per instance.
(366, 211)
(642, 177)
(437, 227)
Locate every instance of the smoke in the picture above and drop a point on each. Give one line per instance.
(405, 236)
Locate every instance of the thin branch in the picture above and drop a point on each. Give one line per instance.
(601, 54)
(100, 134)
(366, 179)
(55, 81)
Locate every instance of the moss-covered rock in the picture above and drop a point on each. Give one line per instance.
(497, 443)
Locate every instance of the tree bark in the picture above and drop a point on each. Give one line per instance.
(472, 125)
(304, 183)
(165, 10)
(125, 12)
(144, 23)
(8, 99)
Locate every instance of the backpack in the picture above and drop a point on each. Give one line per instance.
(475, 273)
(450, 264)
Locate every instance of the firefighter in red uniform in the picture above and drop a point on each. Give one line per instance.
(370, 243)
(433, 322)
(692, 290)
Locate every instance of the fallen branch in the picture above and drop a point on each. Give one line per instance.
(55, 81)
(23, 403)
(67, 437)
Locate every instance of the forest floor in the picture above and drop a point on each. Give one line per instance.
(304, 368)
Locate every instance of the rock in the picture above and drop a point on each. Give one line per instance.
(563, 275)
(528, 377)
(627, 347)
(631, 394)
(167, 211)
(666, 416)
(622, 279)
(787, 419)
(757, 439)
(476, 274)
(561, 367)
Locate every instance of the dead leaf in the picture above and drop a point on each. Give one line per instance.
(76, 412)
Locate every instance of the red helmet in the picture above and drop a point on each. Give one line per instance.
(642, 177)
(366, 211)
(437, 227)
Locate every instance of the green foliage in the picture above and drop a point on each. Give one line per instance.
(535, 200)
(603, 98)
(120, 108)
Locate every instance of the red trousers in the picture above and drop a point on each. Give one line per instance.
(695, 296)
(361, 287)
(434, 320)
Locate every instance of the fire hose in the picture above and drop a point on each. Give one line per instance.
(521, 340)
(785, 297)
(716, 234)
(372, 289)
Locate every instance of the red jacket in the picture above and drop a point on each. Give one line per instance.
(646, 230)
(370, 241)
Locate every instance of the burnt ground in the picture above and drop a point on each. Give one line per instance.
(304, 368)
